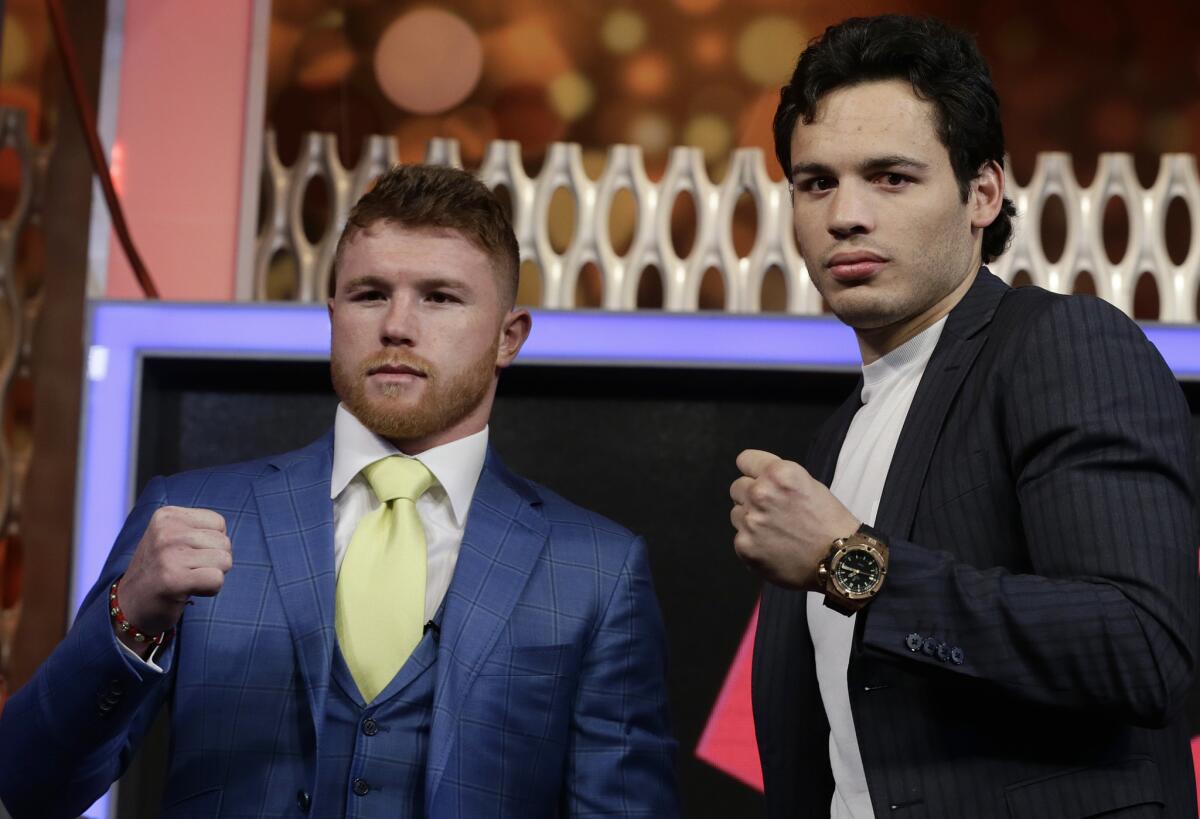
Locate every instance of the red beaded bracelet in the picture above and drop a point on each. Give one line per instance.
(122, 622)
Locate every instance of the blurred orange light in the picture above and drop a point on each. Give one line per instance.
(525, 52)
(710, 48)
(428, 61)
(648, 75)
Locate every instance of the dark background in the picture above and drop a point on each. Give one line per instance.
(651, 448)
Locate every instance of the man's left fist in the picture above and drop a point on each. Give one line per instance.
(785, 519)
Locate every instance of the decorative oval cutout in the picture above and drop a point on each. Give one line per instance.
(683, 224)
(1021, 279)
(1115, 229)
(315, 210)
(561, 218)
(1053, 228)
(622, 221)
(745, 224)
(1177, 231)
(529, 284)
(1145, 298)
(712, 290)
(773, 292)
(283, 276)
(589, 287)
(650, 289)
(1084, 284)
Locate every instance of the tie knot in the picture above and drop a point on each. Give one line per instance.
(398, 477)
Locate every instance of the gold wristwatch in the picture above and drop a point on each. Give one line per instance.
(854, 571)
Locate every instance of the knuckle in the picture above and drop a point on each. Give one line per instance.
(759, 493)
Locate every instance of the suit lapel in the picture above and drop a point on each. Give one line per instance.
(823, 457)
(962, 339)
(297, 524)
(504, 538)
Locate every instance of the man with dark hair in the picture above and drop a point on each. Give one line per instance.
(992, 609)
(387, 622)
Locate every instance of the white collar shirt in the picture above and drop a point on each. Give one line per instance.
(443, 510)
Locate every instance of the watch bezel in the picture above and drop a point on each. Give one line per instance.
(842, 547)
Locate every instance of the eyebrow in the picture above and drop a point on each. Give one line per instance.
(871, 165)
(433, 282)
(377, 282)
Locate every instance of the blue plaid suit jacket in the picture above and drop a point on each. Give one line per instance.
(550, 687)
(1041, 512)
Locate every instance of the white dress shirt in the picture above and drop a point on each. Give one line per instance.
(456, 467)
(889, 384)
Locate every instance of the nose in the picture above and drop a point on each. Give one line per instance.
(849, 211)
(400, 324)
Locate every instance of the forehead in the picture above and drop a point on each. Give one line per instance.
(879, 118)
(388, 247)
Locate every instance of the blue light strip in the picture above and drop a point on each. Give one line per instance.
(123, 332)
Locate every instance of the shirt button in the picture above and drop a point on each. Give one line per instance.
(370, 727)
(303, 801)
(914, 641)
(943, 652)
(930, 646)
(957, 656)
(360, 787)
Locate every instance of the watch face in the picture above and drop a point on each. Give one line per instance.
(858, 572)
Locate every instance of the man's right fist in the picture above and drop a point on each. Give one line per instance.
(184, 552)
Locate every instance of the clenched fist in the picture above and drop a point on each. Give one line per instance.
(184, 552)
(785, 518)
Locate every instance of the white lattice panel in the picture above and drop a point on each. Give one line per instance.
(774, 244)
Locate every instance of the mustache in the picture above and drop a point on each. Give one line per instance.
(410, 361)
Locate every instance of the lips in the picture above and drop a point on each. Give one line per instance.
(855, 266)
(395, 369)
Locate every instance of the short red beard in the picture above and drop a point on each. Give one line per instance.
(445, 403)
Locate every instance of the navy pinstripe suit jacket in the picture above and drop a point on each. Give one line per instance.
(1040, 508)
(550, 697)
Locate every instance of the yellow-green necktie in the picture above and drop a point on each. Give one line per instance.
(381, 585)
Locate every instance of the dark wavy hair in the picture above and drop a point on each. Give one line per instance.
(440, 198)
(944, 67)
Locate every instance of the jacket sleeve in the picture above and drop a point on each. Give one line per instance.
(69, 732)
(621, 753)
(1101, 454)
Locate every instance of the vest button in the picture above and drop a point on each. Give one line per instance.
(303, 801)
(370, 727)
(360, 787)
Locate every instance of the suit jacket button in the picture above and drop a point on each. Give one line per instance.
(929, 646)
(957, 656)
(370, 727)
(913, 641)
(943, 652)
(303, 801)
(360, 787)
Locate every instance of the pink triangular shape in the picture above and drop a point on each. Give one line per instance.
(728, 742)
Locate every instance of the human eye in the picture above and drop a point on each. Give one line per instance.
(892, 179)
(367, 294)
(442, 297)
(815, 184)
